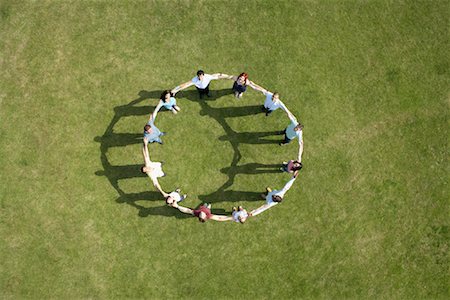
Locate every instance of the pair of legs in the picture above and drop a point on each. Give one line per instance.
(175, 109)
(266, 110)
(286, 140)
(203, 92)
(238, 90)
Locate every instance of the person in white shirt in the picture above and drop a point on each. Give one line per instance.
(239, 214)
(294, 130)
(272, 198)
(152, 169)
(174, 197)
(201, 82)
(272, 102)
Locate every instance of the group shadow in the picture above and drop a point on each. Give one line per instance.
(116, 173)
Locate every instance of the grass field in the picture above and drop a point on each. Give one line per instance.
(368, 216)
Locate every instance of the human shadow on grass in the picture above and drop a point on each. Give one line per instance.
(115, 173)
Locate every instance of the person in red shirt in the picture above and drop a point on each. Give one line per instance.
(203, 213)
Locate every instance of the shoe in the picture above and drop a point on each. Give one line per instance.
(268, 189)
(184, 197)
(263, 196)
(285, 162)
(163, 133)
(282, 169)
(178, 190)
(282, 144)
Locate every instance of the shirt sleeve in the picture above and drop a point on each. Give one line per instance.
(286, 187)
(263, 208)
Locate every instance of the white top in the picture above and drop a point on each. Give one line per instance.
(175, 196)
(239, 213)
(269, 202)
(155, 171)
(204, 82)
(273, 105)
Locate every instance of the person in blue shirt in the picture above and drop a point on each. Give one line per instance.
(168, 102)
(151, 132)
(272, 198)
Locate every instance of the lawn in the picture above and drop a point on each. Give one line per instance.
(366, 218)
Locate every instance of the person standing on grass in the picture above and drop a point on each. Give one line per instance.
(174, 197)
(292, 166)
(168, 102)
(240, 85)
(294, 130)
(152, 169)
(239, 214)
(151, 132)
(203, 213)
(272, 102)
(272, 198)
(201, 82)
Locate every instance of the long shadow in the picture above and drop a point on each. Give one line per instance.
(253, 168)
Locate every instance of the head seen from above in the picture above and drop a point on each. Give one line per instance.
(298, 127)
(275, 96)
(200, 74)
(202, 217)
(276, 198)
(147, 128)
(242, 78)
(144, 169)
(165, 96)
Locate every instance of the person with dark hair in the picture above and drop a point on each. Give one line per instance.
(292, 166)
(239, 214)
(272, 198)
(152, 169)
(294, 130)
(203, 213)
(151, 132)
(168, 102)
(201, 82)
(240, 85)
(174, 197)
(272, 102)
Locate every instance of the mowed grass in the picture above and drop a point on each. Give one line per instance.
(367, 217)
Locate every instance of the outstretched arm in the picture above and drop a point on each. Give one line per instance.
(222, 76)
(286, 187)
(258, 87)
(183, 209)
(221, 218)
(300, 150)
(262, 208)
(157, 108)
(145, 153)
(158, 187)
(181, 87)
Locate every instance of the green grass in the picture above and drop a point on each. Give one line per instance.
(367, 217)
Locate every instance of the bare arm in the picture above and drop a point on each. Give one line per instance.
(158, 187)
(183, 209)
(221, 218)
(145, 153)
(258, 87)
(300, 150)
(181, 87)
(157, 108)
(222, 76)
(262, 208)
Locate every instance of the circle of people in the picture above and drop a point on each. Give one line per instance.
(240, 83)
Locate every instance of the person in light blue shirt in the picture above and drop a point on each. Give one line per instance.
(152, 133)
(272, 198)
(168, 102)
(294, 130)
